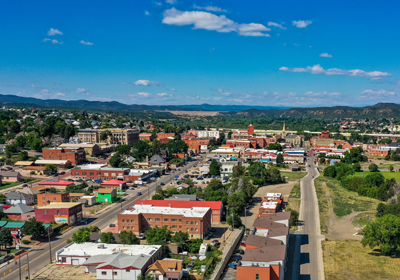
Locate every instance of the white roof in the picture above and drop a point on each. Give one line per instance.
(51, 161)
(92, 249)
(273, 195)
(93, 166)
(194, 212)
(269, 205)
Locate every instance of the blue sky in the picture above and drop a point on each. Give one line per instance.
(289, 53)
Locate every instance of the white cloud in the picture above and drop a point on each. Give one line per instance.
(43, 90)
(209, 21)
(335, 94)
(146, 13)
(173, 89)
(210, 9)
(172, 2)
(145, 82)
(59, 94)
(325, 55)
(376, 93)
(143, 94)
(162, 94)
(53, 41)
(317, 69)
(158, 3)
(301, 23)
(80, 90)
(224, 92)
(53, 32)
(86, 43)
(276, 25)
(218, 98)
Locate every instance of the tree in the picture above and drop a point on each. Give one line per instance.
(82, 235)
(141, 149)
(37, 144)
(20, 141)
(115, 160)
(294, 218)
(34, 228)
(105, 134)
(215, 168)
(158, 236)
(157, 196)
(235, 222)
(279, 159)
(275, 146)
(194, 245)
(357, 167)
(93, 229)
(180, 238)
(128, 237)
(238, 171)
(107, 237)
(51, 168)
(236, 202)
(258, 172)
(6, 238)
(52, 190)
(2, 198)
(230, 135)
(124, 149)
(146, 277)
(383, 232)
(373, 167)
(391, 168)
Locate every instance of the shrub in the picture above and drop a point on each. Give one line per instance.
(26, 241)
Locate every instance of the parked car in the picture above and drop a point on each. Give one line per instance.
(190, 266)
(232, 265)
(139, 193)
(98, 181)
(239, 251)
(62, 173)
(162, 184)
(112, 225)
(70, 180)
(141, 236)
(210, 234)
(213, 229)
(78, 180)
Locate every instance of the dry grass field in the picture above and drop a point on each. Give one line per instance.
(348, 259)
(194, 113)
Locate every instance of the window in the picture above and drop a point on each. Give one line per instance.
(106, 174)
(132, 221)
(174, 220)
(257, 276)
(83, 173)
(127, 227)
(43, 198)
(98, 174)
(123, 227)
(180, 220)
(180, 226)
(191, 229)
(165, 220)
(128, 270)
(63, 259)
(104, 273)
(112, 174)
(58, 212)
(197, 229)
(157, 219)
(55, 198)
(91, 173)
(76, 173)
(132, 227)
(44, 203)
(191, 222)
(187, 229)
(187, 222)
(45, 212)
(150, 219)
(123, 221)
(173, 226)
(197, 223)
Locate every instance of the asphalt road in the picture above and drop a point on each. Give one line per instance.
(311, 255)
(39, 257)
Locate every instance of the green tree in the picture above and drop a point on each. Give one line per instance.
(146, 277)
(373, 167)
(34, 228)
(159, 190)
(20, 142)
(236, 202)
(82, 235)
(115, 160)
(180, 238)
(194, 245)
(51, 168)
(104, 135)
(158, 236)
(383, 232)
(124, 150)
(52, 190)
(141, 150)
(107, 237)
(215, 168)
(230, 135)
(294, 218)
(238, 171)
(234, 220)
(357, 167)
(391, 168)
(6, 238)
(128, 237)
(2, 198)
(279, 159)
(93, 229)
(37, 144)
(157, 196)
(275, 146)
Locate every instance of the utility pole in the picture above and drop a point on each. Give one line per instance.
(29, 272)
(48, 233)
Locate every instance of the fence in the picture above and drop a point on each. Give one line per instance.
(228, 253)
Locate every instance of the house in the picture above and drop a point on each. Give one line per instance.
(18, 197)
(106, 195)
(114, 184)
(156, 160)
(20, 212)
(60, 212)
(57, 184)
(227, 169)
(256, 241)
(88, 200)
(196, 221)
(76, 155)
(186, 197)
(47, 198)
(166, 269)
(216, 206)
(90, 148)
(10, 176)
(78, 254)
(262, 263)
(56, 162)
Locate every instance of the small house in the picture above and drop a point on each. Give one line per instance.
(18, 197)
(106, 195)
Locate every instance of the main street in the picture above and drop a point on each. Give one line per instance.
(312, 266)
(41, 256)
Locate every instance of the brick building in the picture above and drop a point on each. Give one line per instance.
(146, 136)
(196, 221)
(196, 144)
(216, 206)
(76, 155)
(60, 212)
(47, 198)
(102, 173)
(164, 135)
(58, 184)
(119, 136)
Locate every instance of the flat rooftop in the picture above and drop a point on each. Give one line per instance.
(273, 195)
(194, 212)
(265, 254)
(59, 205)
(269, 205)
(91, 249)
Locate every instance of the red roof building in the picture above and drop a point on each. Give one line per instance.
(216, 206)
(60, 184)
(116, 184)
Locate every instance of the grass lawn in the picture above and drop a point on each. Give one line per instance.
(343, 202)
(6, 185)
(14, 250)
(387, 175)
(294, 203)
(293, 175)
(347, 259)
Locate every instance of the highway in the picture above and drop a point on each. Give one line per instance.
(311, 252)
(40, 257)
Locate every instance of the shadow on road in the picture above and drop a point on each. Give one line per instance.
(304, 257)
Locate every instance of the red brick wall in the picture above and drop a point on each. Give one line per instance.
(48, 216)
(250, 129)
(249, 272)
(165, 135)
(53, 197)
(97, 174)
(75, 156)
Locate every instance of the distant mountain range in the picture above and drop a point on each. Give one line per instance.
(380, 110)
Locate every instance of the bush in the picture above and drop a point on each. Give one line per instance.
(26, 241)
(294, 218)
